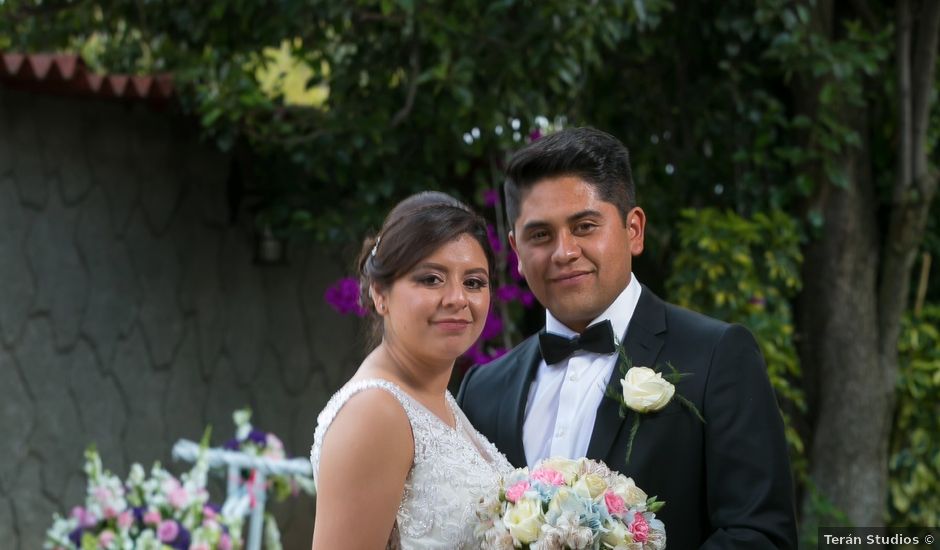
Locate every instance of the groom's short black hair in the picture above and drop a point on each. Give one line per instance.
(594, 156)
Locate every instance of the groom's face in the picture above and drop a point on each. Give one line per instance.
(574, 249)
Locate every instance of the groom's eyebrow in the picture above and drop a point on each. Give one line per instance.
(574, 218)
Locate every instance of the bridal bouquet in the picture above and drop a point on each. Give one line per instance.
(570, 504)
(144, 513)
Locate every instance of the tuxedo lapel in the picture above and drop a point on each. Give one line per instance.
(512, 409)
(643, 341)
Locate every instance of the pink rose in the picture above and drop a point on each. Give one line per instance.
(515, 492)
(225, 542)
(615, 504)
(125, 520)
(208, 512)
(168, 531)
(152, 517)
(199, 546)
(110, 512)
(106, 538)
(547, 475)
(640, 529)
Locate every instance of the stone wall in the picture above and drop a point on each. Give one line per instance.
(131, 312)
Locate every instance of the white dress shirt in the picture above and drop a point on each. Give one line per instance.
(564, 397)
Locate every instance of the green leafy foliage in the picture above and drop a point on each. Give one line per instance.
(746, 270)
(915, 443)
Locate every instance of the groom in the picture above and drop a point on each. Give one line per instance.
(575, 227)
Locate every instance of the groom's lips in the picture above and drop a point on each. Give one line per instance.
(572, 278)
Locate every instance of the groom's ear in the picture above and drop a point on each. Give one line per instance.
(636, 225)
(512, 243)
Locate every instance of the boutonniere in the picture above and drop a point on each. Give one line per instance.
(644, 390)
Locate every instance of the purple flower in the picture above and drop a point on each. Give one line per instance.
(515, 293)
(232, 445)
(76, 536)
(258, 437)
(493, 326)
(343, 296)
(491, 197)
(476, 355)
(494, 239)
(535, 135)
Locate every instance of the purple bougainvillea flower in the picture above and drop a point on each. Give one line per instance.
(494, 239)
(476, 355)
(491, 197)
(493, 326)
(535, 135)
(343, 296)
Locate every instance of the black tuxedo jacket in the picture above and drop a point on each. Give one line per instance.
(727, 482)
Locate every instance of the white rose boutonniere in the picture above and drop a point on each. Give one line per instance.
(645, 390)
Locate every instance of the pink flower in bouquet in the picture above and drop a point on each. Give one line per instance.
(199, 546)
(168, 531)
(209, 513)
(225, 542)
(515, 492)
(615, 504)
(125, 520)
(547, 475)
(106, 537)
(178, 497)
(152, 517)
(84, 517)
(110, 512)
(640, 528)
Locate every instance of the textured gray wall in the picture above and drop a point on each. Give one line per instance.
(131, 313)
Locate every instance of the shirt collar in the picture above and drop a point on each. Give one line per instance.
(619, 313)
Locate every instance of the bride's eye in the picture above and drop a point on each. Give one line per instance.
(429, 279)
(476, 283)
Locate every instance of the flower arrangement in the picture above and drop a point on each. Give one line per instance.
(144, 513)
(255, 442)
(570, 504)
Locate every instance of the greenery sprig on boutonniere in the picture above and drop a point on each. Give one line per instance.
(645, 390)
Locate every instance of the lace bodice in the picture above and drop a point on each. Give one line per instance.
(452, 469)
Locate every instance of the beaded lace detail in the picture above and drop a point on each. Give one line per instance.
(452, 469)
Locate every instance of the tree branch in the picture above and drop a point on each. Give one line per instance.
(903, 61)
(414, 61)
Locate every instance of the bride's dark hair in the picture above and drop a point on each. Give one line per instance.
(412, 231)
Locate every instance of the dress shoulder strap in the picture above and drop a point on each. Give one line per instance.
(339, 399)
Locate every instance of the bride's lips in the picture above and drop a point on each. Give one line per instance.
(452, 325)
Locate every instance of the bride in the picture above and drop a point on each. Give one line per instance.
(397, 464)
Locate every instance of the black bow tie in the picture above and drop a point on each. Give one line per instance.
(598, 338)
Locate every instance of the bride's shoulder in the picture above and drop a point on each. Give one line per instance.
(366, 421)
(367, 406)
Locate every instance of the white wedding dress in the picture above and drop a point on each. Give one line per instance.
(452, 469)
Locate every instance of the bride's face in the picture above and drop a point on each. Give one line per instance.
(437, 310)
